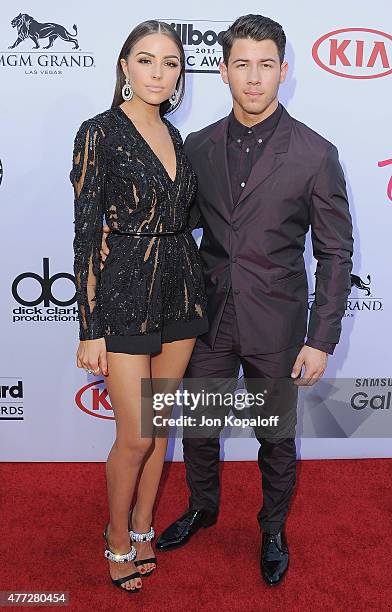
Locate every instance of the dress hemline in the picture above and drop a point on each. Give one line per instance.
(151, 343)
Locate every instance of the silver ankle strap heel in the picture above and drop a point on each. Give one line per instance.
(109, 554)
(142, 537)
(129, 556)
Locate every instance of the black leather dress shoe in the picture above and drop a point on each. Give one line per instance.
(274, 559)
(179, 532)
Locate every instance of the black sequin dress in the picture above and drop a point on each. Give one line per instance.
(151, 289)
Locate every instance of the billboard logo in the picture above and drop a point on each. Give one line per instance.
(354, 53)
(202, 42)
(11, 399)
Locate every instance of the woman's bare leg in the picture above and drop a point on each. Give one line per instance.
(170, 363)
(127, 453)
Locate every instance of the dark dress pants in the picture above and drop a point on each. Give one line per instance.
(276, 457)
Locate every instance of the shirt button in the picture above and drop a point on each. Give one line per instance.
(235, 227)
(236, 291)
(247, 149)
(243, 184)
(260, 140)
(238, 139)
(234, 259)
(249, 131)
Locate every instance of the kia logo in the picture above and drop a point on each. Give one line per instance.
(354, 53)
(93, 400)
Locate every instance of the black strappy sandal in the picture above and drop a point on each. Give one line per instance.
(129, 556)
(142, 537)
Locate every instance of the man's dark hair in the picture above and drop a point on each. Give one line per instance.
(256, 27)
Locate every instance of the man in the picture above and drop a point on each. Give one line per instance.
(264, 180)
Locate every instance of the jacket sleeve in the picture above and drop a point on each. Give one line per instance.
(331, 232)
(87, 177)
(194, 215)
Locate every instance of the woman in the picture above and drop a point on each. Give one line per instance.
(140, 314)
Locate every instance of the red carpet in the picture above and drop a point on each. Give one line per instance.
(339, 531)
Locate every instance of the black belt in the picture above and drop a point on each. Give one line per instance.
(173, 233)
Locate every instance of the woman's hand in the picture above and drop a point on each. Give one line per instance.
(91, 355)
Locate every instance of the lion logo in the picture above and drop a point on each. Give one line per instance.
(28, 27)
(356, 281)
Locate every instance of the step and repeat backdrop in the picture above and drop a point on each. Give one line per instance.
(57, 68)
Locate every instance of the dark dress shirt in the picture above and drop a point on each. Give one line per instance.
(244, 147)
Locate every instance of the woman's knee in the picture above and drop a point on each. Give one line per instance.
(134, 446)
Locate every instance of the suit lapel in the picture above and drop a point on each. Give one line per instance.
(263, 168)
(219, 164)
(271, 158)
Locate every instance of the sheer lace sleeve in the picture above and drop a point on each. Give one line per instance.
(88, 177)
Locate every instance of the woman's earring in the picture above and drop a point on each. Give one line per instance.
(127, 91)
(174, 97)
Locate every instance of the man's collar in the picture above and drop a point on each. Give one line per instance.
(239, 131)
(279, 143)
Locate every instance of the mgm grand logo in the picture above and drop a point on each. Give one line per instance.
(202, 42)
(362, 298)
(37, 62)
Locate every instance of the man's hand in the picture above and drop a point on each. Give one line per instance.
(315, 362)
(104, 252)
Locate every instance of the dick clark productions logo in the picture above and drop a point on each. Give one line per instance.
(354, 53)
(46, 305)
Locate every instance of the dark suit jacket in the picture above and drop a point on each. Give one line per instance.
(257, 244)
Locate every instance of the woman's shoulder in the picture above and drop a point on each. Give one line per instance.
(99, 122)
(174, 129)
